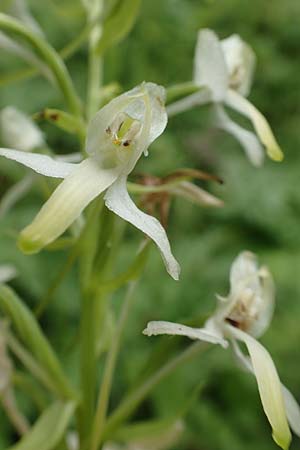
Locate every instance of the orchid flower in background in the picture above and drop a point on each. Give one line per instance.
(223, 70)
(117, 137)
(241, 317)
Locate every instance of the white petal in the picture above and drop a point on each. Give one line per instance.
(66, 204)
(240, 60)
(199, 98)
(248, 140)
(156, 328)
(262, 128)
(209, 64)
(193, 193)
(7, 272)
(118, 201)
(269, 386)
(41, 164)
(292, 410)
(14, 194)
(244, 269)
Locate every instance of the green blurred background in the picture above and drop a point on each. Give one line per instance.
(261, 212)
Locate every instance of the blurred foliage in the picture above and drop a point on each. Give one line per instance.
(261, 213)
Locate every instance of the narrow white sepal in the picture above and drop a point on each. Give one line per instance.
(117, 200)
(42, 164)
(66, 204)
(210, 68)
(156, 328)
(247, 139)
(264, 132)
(269, 386)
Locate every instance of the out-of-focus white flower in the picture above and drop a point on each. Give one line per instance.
(18, 131)
(223, 69)
(7, 272)
(117, 137)
(243, 316)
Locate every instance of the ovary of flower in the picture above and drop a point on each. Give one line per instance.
(117, 137)
(244, 314)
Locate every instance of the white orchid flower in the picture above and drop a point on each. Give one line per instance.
(117, 137)
(18, 131)
(223, 69)
(241, 317)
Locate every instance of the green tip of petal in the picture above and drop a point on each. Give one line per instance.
(28, 246)
(282, 441)
(275, 154)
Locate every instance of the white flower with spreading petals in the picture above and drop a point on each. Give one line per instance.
(117, 137)
(241, 317)
(223, 69)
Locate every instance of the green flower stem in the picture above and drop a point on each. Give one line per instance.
(95, 60)
(88, 360)
(105, 390)
(88, 320)
(94, 82)
(133, 400)
(49, 55)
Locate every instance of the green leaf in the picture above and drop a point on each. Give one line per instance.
(32, 336)
(49, 428)
(119, 24)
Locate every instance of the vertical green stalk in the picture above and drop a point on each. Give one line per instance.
(95, 61)
(88, 358)
(88, 321)
(105, 390)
